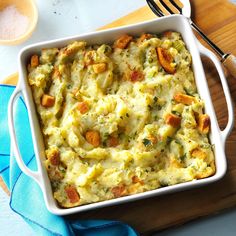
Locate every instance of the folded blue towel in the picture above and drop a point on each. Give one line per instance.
(26, 197)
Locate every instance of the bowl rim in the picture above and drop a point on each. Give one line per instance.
(32, 25)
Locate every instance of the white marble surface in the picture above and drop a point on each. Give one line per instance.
(60, 18)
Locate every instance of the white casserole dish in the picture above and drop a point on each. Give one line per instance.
(217, 137)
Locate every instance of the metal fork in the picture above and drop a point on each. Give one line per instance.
(228, 60)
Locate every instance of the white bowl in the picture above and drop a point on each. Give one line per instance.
(217, 137)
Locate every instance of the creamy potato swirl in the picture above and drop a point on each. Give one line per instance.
(120, 119)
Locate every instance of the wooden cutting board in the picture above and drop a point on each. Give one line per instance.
(218, 20)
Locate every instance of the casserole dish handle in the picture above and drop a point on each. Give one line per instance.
(33, 174)
(204, 51)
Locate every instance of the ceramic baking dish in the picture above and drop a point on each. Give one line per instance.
(217, 137)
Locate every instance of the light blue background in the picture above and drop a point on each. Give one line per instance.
(60, 18)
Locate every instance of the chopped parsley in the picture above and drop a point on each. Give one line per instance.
(176, 113)
(187, 92)
(146, 142)
(182, 158)
(168, 139)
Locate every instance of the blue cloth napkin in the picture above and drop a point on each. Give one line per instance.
(26, 196)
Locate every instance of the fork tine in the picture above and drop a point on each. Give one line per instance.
(154, 7)
(166, 6)
(176, 6)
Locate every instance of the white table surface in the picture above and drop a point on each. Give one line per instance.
(61, 18)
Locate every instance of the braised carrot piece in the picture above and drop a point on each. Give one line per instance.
(112, 141)
(100, 67)
(204, 123)
(136, 76)
(56, 73)
(167, 34)
(165, 60)
(34, 61)
(93, 137)
(119, 191)
(54, 157)
(47, 100)
(135, 180)
(198, 153)
(185, 99)
(123, 41)
(72, 194)
(83, 107)
(173, 120)
(144, 37)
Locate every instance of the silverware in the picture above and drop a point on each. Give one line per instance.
(161, 9)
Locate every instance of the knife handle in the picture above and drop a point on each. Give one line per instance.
(230, 63)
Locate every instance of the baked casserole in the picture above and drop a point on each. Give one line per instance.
(120, 119)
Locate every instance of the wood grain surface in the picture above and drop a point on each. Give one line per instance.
(218, 20)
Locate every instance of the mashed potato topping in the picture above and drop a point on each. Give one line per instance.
(120, 119)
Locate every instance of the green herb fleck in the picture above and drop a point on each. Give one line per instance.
(150, 60)
(127, 114)
(176, 113)
(182, 158)
(163, 184)
(168, 139)
(146, 142)
(187, 92)
(205, 145)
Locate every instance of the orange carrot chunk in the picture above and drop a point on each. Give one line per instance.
(167, 34)
(185, 99)
(123, 41)
(83, 107)
(173, 120)
(135, 180)
(144, 37)
(72, 194)
(99, 67)
(118, 191)
(112, 141)
(198, 153)
(47, 100)
(56, 73)
(136, 76)
(204, 123)
(34, 61)
(165, 60)
(93, 137)
(54, 157)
